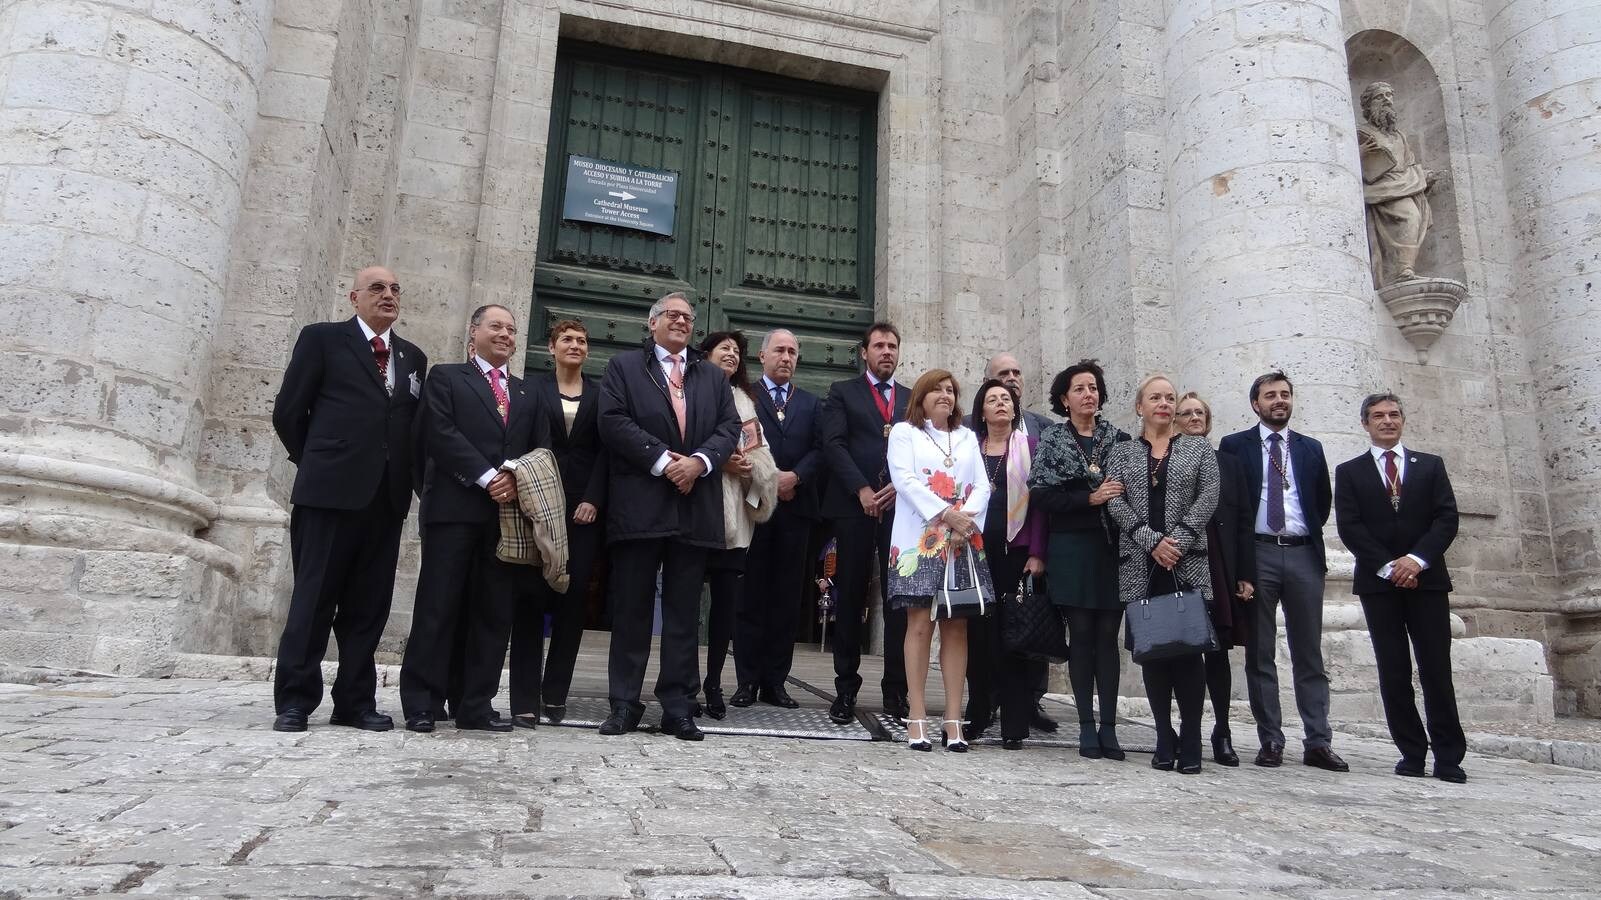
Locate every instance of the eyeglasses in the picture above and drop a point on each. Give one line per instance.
(1192, 414)
(673, 315)
(377, 288)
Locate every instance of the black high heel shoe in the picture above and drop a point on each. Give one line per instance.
(957, 744)
(714, 702)
(1107, 736)
(1162, 760)
(920, 743)
(1223, 749)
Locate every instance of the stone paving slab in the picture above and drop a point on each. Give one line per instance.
(169, 788)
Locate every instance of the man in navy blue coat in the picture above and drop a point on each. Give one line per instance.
(780, 551)
(1288, 495)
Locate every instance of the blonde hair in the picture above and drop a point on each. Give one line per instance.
(1139, 394)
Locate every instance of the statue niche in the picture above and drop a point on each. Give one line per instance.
(1395, 187)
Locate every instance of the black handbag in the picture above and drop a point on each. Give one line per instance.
(951, 602)
(1031, 627)
(1171, 625)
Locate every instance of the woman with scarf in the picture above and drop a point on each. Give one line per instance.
(1014, 539)
(1068, 482)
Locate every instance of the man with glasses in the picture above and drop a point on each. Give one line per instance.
(344, 412)
(668, 419)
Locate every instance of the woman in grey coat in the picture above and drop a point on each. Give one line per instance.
(1170, 489)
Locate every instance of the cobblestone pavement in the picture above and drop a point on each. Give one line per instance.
(180, 789)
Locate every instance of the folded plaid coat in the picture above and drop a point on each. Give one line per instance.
(533, 531)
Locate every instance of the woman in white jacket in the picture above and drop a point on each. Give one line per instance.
(750, 494)
(941, 496)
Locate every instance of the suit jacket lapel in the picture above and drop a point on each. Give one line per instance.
(768, 410)
(360, 346)
(1253, 470)
(588, 402)
(1373, 481)
(480, 386)
(402, 367)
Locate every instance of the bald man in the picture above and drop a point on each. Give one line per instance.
(344, 414)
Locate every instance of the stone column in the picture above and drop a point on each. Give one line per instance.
(1548, 60)
(123, 143)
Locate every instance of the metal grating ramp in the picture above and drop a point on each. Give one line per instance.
(757, 720)
(1134, 737)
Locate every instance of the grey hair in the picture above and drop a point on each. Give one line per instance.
(1372, 91)
(657, 307)
(1372, 400)
(768, 340)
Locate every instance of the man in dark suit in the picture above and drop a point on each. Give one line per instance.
(668, 420)
(1288, 496)
(764, 631)
(476, 418)
(344, 413)
(1396, 512)
(859, 502)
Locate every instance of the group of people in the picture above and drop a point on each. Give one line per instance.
(679, 471)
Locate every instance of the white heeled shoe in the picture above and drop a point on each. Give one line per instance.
(957, 744)
(920, 743)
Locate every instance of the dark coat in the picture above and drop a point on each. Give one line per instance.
(1311, 471)
(1231, 551)
(580, 456)
(637, 424)
(339, 425)
(464, 437)
(1378, 533)
(794, 445)
(854, 445)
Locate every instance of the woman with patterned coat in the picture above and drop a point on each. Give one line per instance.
(1170, 490)
(1069, 482)
(941, 500)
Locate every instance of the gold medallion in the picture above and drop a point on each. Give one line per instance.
(1095, 469)
(887, 427)
(949, 462)
(780, 415)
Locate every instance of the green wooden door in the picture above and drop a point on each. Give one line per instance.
(774, 223)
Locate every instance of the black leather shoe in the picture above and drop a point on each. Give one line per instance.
(1223, 750)
(555, 712)
(366, 720)
(621, 721)
(683, 729)
(525, 720)
(1041, 722)
(843, 710)
(779, 697)
(1407, 768)
(1011, 743)
(1270, 757)
(1324, 758)
(897, 706)
(714, 702)
(975, 729)
(422, 723)
(1190, 768)
(291, 719)
(1452, 774)
(499, 726)
(745, 696)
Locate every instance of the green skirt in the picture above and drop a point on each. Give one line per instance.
(1081, 570)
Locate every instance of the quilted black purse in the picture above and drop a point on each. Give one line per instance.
(1031, 627)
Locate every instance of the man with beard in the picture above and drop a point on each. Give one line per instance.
(1393, 185)
(668, 420)
(860, 504)
(1288, 494)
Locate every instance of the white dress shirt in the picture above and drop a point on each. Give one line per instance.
(1294, 519)
(389, 370)
(505, 385)
(1400, 474)
(667, 372)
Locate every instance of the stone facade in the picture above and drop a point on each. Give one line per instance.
(1168, 186)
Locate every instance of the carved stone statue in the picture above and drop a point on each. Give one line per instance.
(1394, 185)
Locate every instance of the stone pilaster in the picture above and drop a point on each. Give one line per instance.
(1548, 62)
(123, 144)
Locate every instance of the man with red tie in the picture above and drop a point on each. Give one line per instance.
(344, 412)
(668, 420)
(1396, 513)
(476, 418)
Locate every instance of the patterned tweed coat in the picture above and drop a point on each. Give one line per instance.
(1192, 485)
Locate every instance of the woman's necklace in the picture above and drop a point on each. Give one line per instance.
(949, 449)
(1156, 467)
(1089, 464)
(994, 471)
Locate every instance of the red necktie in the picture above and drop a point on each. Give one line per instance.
(381, 354)
(676, 394)
(1392, 478)
(502, 402)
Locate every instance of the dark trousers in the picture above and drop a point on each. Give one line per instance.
(725, 580)
(1182, 677)
(1424, 617)
(863, 545)
(633, 593)
(1094, 661)
(1290, 576)
(1219, 684)
(461, 586)
(768, 611)
(344, 564)
(997, 679)
(541, 676)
